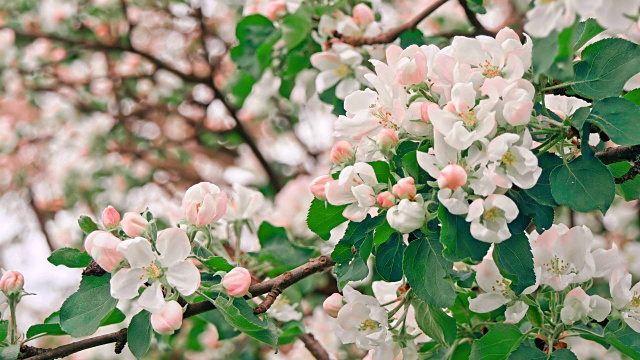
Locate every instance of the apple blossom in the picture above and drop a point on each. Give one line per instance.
(387, 141)
(514, 163)
(237, 281)
(408, 215)
(283, 311)
(245, 203)
(547, 16)
(103, 248)
(386, 199)
(578, 306)
(168, 266)
(362, 15)
(452, 177)
(168, 318)
(11, 283)
(342, 66)
(333, 304)
(405, 188)
(362, 320)
(204, 203)
(564, 106)
(513, 100)
(489, 218)
(625, 297)
(354, 187)
(133, 224)
(342, 152)
(318, 185)
(110, 217)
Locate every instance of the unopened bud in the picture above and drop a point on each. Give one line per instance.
(317, 186)
(167, 320)
(386, 199)
(387, 140)
(110, 217)
(134, 224)
(341, 152)
(11, 283)
(453, 176)
(333, 304)
(405, 188)
(237, 282)
(103, 248)
(363, 15)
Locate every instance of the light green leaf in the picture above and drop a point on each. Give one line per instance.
(139, 334)
(87, 225)
(10, 352)
(82, 312)
(256, 36)
(324, 217)
(240, 315)
(498, 343)
(69, 257)
(297, 27)
(4, 329)
(435, 323)
(276, 247)
(585, 31)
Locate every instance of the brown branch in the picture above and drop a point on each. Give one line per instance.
(282, 281)
(630, 175)
(392, 34)
(473, 19)
(620, 153)
(268, 301)
(41, 221)
(314, 347)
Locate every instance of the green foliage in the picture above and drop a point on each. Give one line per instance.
(324, 217)
(69, 257)
(278, 249)
(435, 323)
(623, 338)
(389, 258)
(515, 261)
(239, 314)
(476, 6)
(585, 31)
(256, 36)
(87, 224)
(532, 353)
(630, 189)
(82, 313)
(456, 237)
(411, 37)
(605, 67)
(4, 329)
(217, 263)
(139, 334)
(541, 192)
(619, 118)
(290, 332)
(542, 215)
(427, 272)
(497, 344)
(297, 27)
(10, 352)
(353, 250)
(225, 330)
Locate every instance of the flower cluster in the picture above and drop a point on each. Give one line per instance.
(470, 104)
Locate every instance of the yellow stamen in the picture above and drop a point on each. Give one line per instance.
(369, 325)
(508, 158)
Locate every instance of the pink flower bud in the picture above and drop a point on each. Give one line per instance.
(317, 186)
(363, 15)
(103, 248)
(453, 176)
(341, 152)
(168, 320)
(333, 304)
(204, 203)
(134, 224)
(11, 283)
(405, 188)
(275, 9)
(237, 282)
(387, 140)
(110, 217)
(386, 199)
(424, 111)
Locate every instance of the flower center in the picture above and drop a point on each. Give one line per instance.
(557, 266)
(501, 286)
(635, 302)
(492, 214)
(384, 118)
(469, 119)
(369, 325)
(153, 270)
(489, 71)
(508, 158)
(342, 71)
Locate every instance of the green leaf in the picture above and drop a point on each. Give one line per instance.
(201, 251)
(47, 329)
(353, 250)
(225, 330)
(562, 66)
(290, 332)
(82, 312)
(389, 258)
(498, 343)
(297, 27)
(382, 233)
(239, 87)
(476, 6)
(411, 37)
(623, 338)
(605, 67)
(544, 53)
(4, 329)
(532, 353)
(87, 225)
(116, 317)
(585, 31)
(240, 315)
(541, 192)
(456, 237)
(256, 37)
(139, 334)
(542, 216)
(633, 96)
(427, 272)
(217, 263)
(630, 189)
(584, 185)
(276, 247)
(619, 118)
(324, 217)
(10, 352)
(381, 168)
(69, 257)
(515, 261)
(435, 323)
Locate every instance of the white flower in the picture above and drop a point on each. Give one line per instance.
(408, 215)
(170, 266)
(245, 203)
(354, 186)
(283, 311)
(514, 163)
(547, 16)
(513, 100)
(362, 320)
(564, 106)
(563, 256)
(578, 305)
(626, 298)
(489, 218)
(461, 121)
(341, 65)
(497, 292)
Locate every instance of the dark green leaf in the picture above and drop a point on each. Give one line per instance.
(70, 257)
(542, 215)
(297, 27)
(389, 258)
(528, 353)
(382, 233)
(87, 225)
(541, 192)
(498, 343)
(411, 37)
(630, 189)
(381, 168)
(324, 217)
(276, 247)
(435, 323)
(619, 118)
(585, 31)
(353, 250)
(476, 6)
(4, 329)
(256, 37)
(427, 272)
(217, 263)
(240, 315)
(515, 261)
(139, 334)
(623, 338)
(456, 237)
(82, 313)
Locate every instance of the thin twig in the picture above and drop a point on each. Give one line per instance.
(620, 153)
(314, 347)
(268, 301)
(630, 175)
(473, 19)
(41, 221)
(392, 34)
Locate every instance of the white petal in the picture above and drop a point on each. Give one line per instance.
(152, 299)
(126, 282)
(185, 277)
(487, 302)
(173, 245)
(137, 251)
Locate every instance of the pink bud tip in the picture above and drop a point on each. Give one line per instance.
(386, 199)
(11, 283)
(453, 176)
(237, 282)
(134, 224)
(341, 152)
(110, 217)
(333, 304)
(168, 320)
(363, 15)
(424, 111)
(386, 140)
(405, 188)
(318, 185)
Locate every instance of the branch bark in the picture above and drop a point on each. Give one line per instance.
(282, 281)
(392, 34)
(473, 19)
(620, 153)
(314, 347)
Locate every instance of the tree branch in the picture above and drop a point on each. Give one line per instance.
(314, 347)
(620, 153)
(282, 281)
(41, 221)
(392, 34)
(473, 19)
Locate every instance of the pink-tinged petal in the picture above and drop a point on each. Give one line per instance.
(326, 79)
(152, 299)
(169, 319)
(488, 275)
(338, 194)
(137, 252)
(487, 302)
(355, 213)
(173, 246)
(126, 282)
(184, 276)
(324, 61)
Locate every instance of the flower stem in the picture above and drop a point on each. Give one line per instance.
(14, 324)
